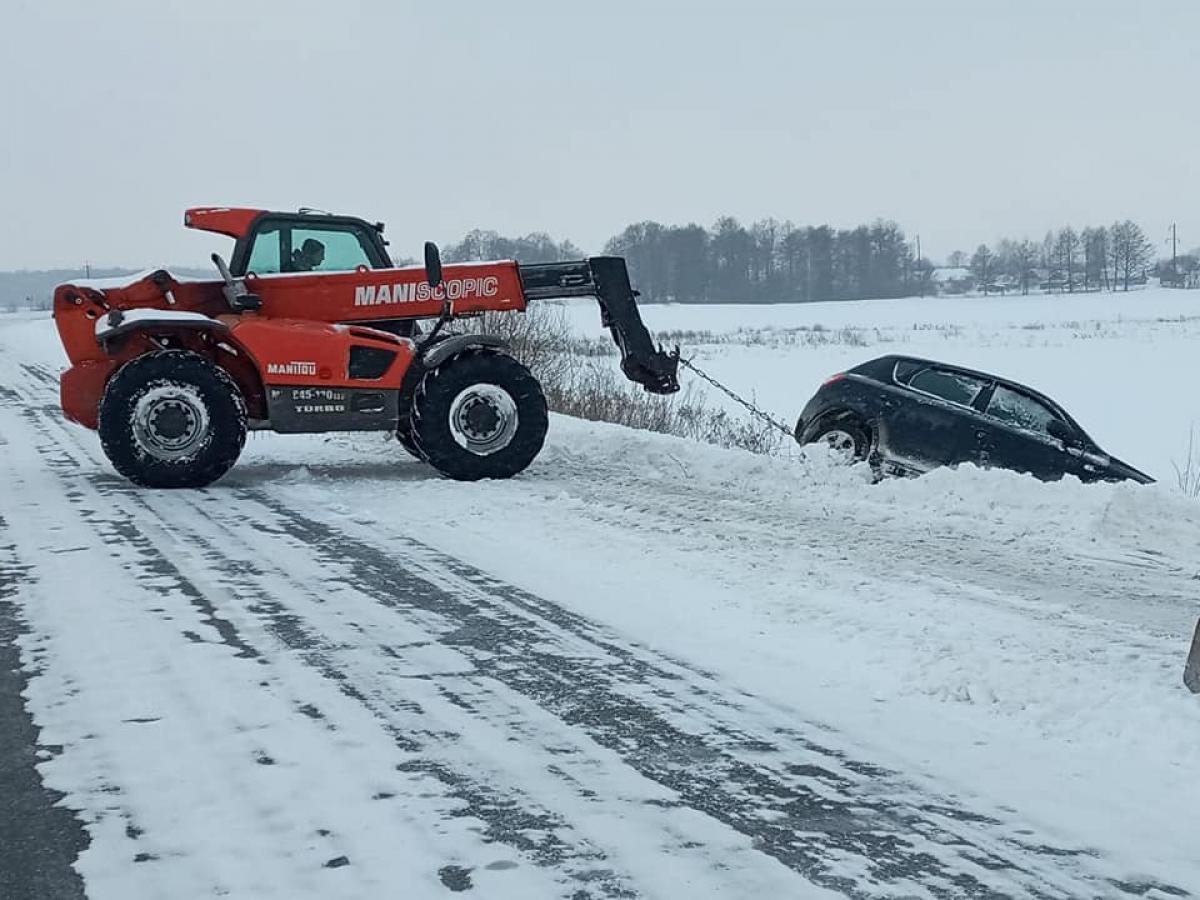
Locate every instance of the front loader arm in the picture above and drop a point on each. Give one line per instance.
(607, 279)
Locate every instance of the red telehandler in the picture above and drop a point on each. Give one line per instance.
(310, 328)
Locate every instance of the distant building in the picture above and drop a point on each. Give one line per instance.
(953, 279)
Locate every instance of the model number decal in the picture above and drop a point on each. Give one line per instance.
(323, 394)
(417, 291)
(313, 400)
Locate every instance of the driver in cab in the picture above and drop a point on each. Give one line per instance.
(310, 256)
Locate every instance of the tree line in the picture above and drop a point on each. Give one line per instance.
(1092, 259)
(779, 262)
(769, 261)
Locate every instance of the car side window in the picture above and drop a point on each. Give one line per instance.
(953, 386)
(1020, 410)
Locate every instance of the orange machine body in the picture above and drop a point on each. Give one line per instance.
(302, 336)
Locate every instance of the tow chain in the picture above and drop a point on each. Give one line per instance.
(750, 407)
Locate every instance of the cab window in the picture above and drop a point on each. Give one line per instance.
(265, 254)
(317, 247)
(327, 250)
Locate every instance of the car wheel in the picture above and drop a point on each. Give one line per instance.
(848, 439)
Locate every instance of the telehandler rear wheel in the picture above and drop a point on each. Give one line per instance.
(480, 414)
(172, 419)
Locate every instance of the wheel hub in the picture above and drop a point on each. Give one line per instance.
(842, 444)
(483, 419)
(170, 421)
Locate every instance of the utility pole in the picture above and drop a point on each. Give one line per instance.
(87, 269)
(920, 269)
(1174, 247)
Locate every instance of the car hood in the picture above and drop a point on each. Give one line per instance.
(1123, 469)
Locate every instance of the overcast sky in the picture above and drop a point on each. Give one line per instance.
(963, 120)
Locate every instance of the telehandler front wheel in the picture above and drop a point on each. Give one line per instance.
(479, 414)
(172, 419)
(404, 436)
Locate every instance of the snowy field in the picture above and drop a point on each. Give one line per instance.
(645, 667)
(1126, 366)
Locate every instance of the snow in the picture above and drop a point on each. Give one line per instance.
(117, 282)
(161, 316)
(1011, 647)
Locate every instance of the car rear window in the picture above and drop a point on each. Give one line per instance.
(905, 369)
(953, 386)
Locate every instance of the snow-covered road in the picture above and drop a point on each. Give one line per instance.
(643, 668)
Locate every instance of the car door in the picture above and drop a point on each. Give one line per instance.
(933, 426)
(1015, 432)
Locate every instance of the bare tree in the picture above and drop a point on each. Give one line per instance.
(1018, 260)
(1131, 253)
(1095, 258)
(1066, 249)
(1024, 264)
(983, 267)
(1050, 261)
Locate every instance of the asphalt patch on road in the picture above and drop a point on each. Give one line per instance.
(39, 839)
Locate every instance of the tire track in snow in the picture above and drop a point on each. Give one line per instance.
(151, 573)
(508, 817)
(813, 816)
(539, 834)
(113, 527)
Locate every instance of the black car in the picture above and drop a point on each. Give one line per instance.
(907, 416)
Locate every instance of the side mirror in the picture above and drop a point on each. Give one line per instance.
(433, 264)
(1057, 428)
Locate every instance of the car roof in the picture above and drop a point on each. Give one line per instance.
(892, 358)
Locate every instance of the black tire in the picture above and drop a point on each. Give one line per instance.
(492, 432)
(404, 436)
(846, 434)
(172, 419)
(408, 388)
